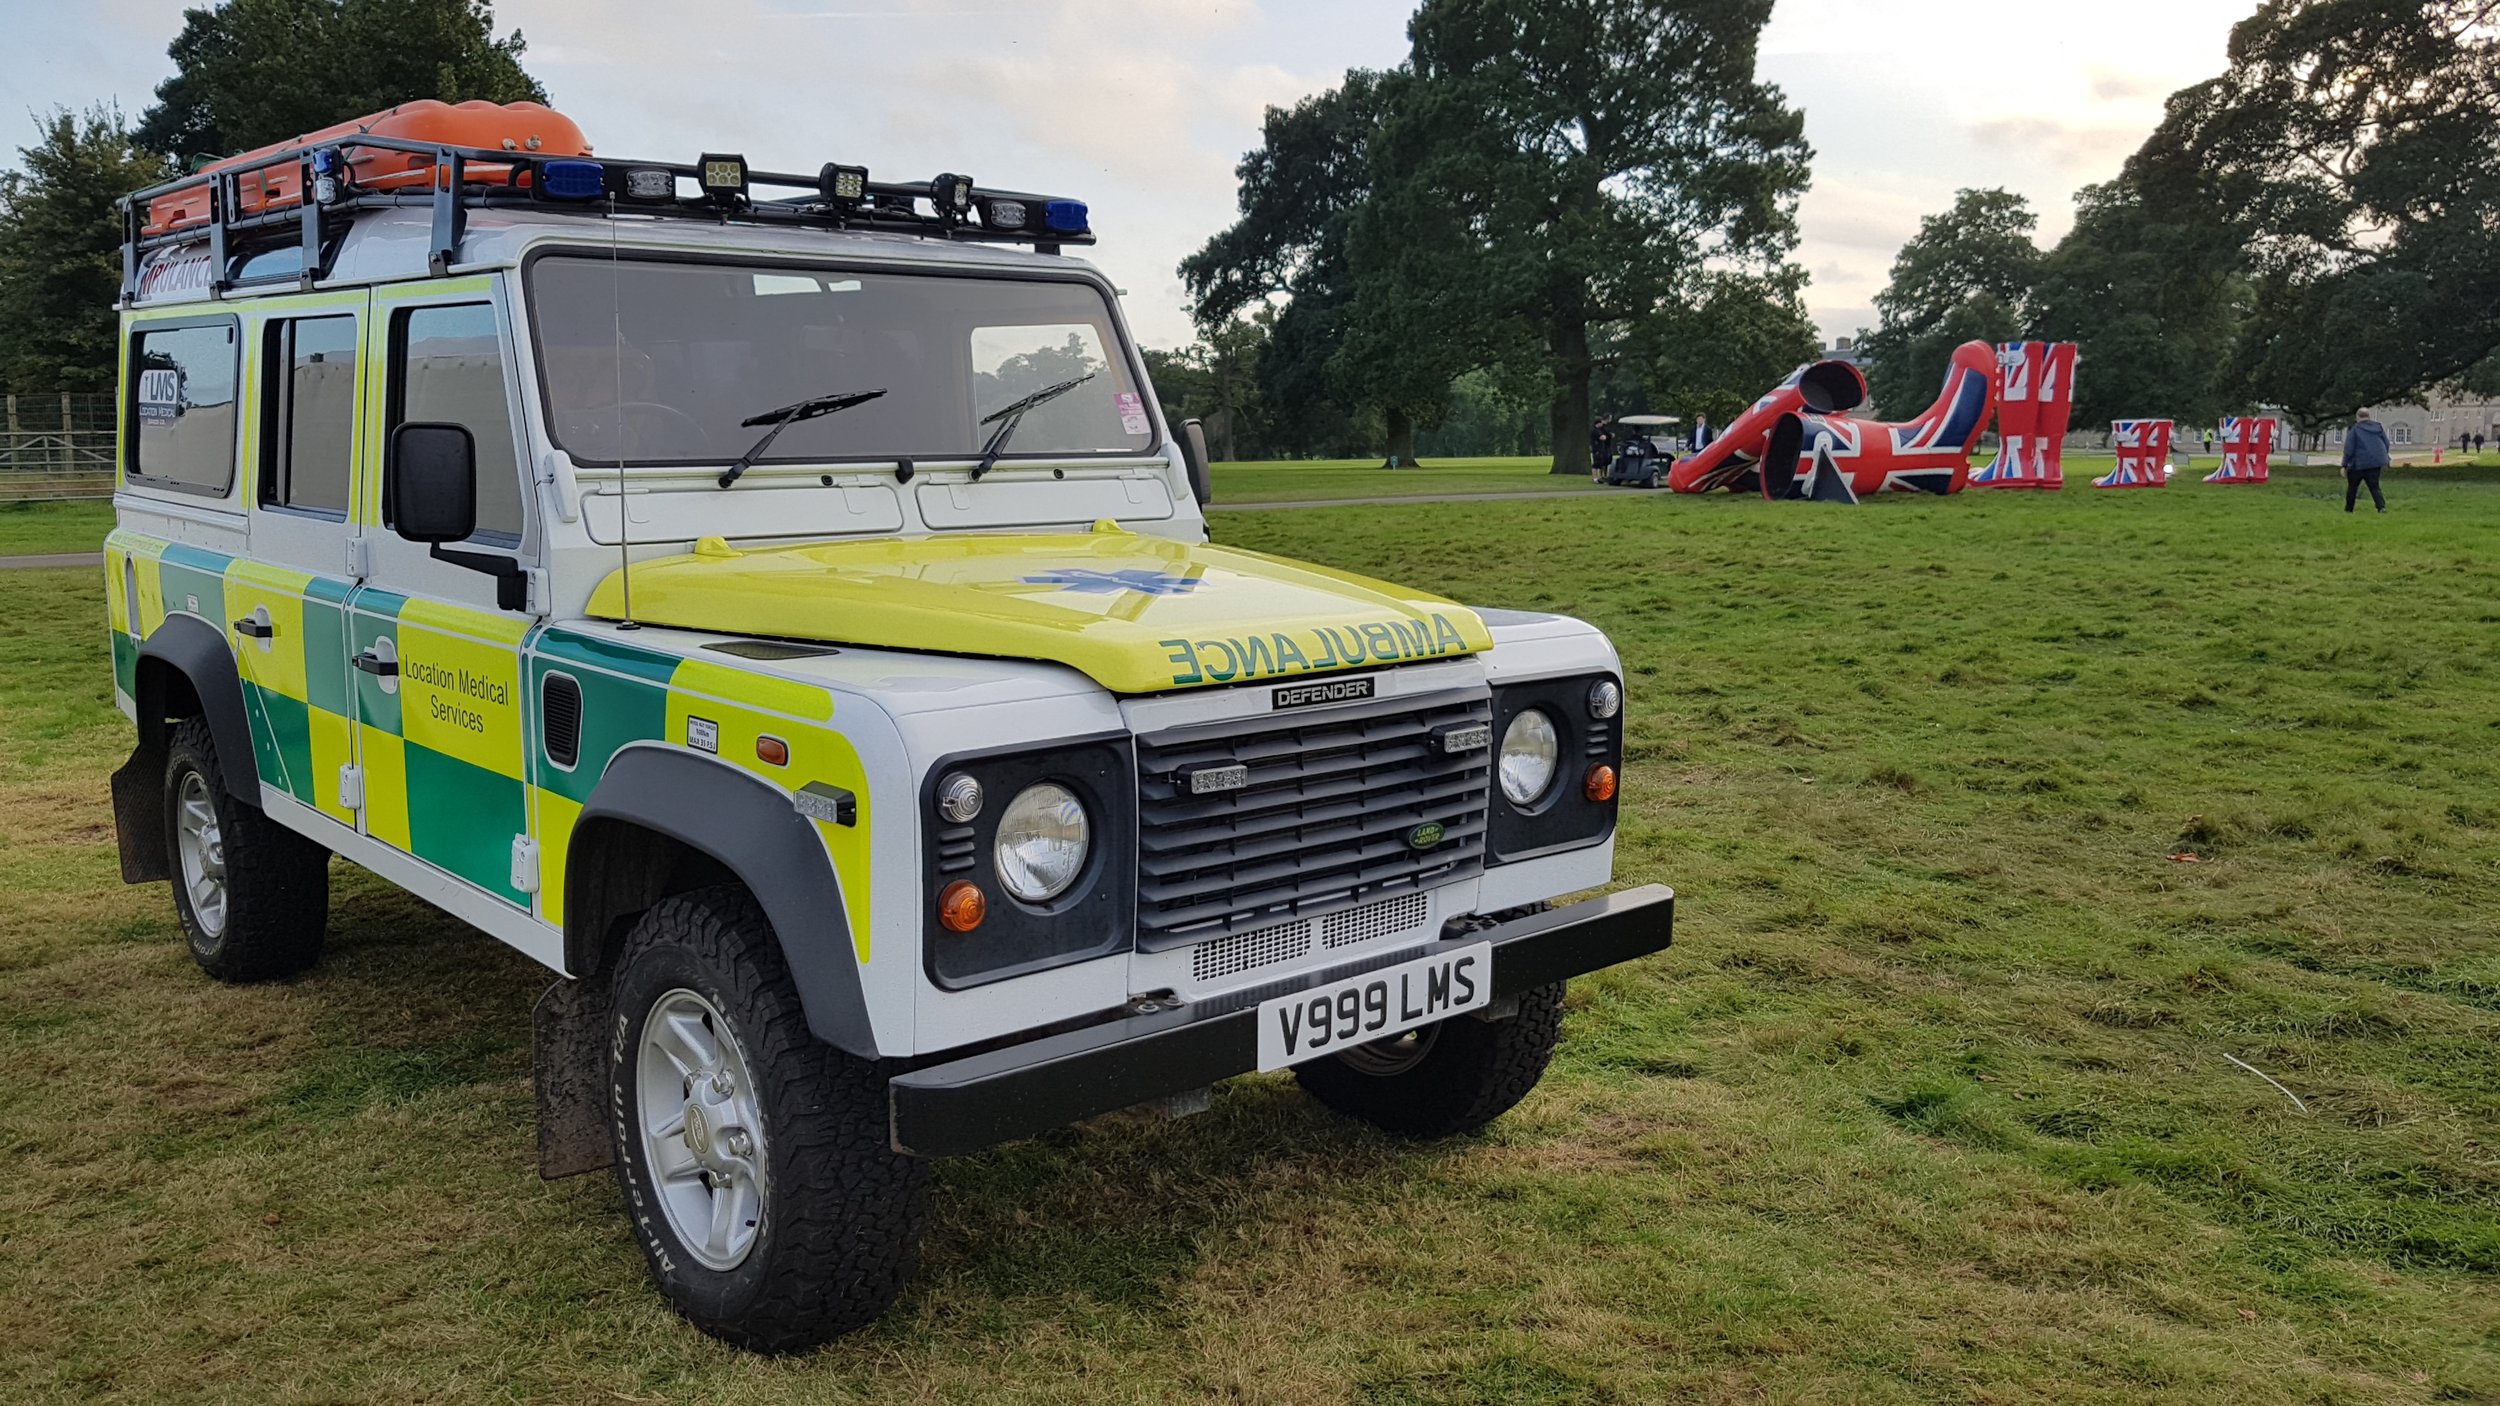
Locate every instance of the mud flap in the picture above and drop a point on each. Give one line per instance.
(139, 817)
(568, 1033)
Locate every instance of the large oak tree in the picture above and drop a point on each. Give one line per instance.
(1573, 166)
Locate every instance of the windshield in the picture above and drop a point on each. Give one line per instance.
(654, 362)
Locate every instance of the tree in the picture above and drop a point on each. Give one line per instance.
(2350, 145)
(1964, 276)
(2152, 302)
(1715, 355)
(1556, 169)
(1302, 191)
(252, 72)
(60, 250)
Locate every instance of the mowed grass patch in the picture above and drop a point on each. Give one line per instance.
(42, 529)
(1929, 1101)
(1318, 480)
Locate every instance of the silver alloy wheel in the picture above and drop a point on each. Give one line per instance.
(1394, 1055)
(203, 851)
(702, 1129)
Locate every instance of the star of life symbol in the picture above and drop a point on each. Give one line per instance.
(1097, 583)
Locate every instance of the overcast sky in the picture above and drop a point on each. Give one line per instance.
(1143, 106)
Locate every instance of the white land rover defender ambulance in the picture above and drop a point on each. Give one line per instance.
(791, 620)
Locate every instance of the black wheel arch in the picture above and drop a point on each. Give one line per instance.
(185, 670)
(663, 822)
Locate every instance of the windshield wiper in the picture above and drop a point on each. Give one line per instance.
(1014, 416)
(783, 419)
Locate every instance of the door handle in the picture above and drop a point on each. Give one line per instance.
(254, 628)
(376, 665)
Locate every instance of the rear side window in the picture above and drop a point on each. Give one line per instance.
(312, 415)
(450, 371)
(183, 406)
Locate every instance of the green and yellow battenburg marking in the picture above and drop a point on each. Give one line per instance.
(449, 748)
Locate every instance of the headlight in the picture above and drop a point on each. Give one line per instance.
(1043, 838)
(1529, 751)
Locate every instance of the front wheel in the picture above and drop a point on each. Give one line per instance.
(1444, 1079)
(753, 1157)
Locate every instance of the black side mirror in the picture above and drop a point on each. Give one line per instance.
(429, 483)
(1194, 457)
(429, 495)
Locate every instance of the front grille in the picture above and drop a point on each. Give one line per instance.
(1323, 824)
(1378, 920)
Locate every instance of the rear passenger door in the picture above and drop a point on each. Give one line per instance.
(288, 594)
(439, 731)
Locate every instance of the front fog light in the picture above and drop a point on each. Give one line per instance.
(1529, 753)
(1043, 838)
(1605, 699)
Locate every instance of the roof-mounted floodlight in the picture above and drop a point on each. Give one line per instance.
(843, 187)
(650, 183)
(952, 195)
(1005, 214)
(723, 178)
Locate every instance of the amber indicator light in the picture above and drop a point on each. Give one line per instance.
(772, 751)
(962, 906)
(1601, 783)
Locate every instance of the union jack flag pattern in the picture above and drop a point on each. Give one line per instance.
(2036, 403)
(2143, 454)
(2247, 449)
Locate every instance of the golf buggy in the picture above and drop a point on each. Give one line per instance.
(1644, 449)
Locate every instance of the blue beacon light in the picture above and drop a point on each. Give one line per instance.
(572, 180)
(1065, 216)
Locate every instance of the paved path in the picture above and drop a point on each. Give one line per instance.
(1564, 493)
(61, 559)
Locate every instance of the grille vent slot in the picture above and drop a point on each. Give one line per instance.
(560, 718)
(1377, 920)
(1258, 947)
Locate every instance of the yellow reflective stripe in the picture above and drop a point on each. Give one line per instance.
(493, 627)
(458, 695)
(151, 594)
(116, 602)
(332, 748)
(816, 754)
(385, 762)
(553, 828)
(786, 696)
(276, 663)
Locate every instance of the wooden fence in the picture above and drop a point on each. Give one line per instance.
(56, 446)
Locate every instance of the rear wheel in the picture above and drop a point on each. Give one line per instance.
(753, 1157)
(253, 896)
(1444, 1079)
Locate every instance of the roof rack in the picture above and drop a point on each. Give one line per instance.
(259, 201)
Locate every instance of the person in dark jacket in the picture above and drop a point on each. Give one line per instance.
(2365, 457)
(1601, 447)
(1701, 433)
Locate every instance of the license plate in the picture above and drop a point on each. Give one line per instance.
(1373, 1006)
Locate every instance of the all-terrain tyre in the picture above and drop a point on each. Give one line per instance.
(753, 1157)
(253, 895)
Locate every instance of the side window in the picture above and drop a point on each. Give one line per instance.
(448, 369)
(183, 407)
(311, 409)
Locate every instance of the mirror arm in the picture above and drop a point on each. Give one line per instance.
(511, 581)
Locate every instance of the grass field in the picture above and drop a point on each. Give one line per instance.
(1930, 1102)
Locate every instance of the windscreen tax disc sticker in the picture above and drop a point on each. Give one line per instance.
(1132, 413)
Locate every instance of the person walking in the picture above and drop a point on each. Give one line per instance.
(2365, 458)
(1601, 447)
(2478, 444)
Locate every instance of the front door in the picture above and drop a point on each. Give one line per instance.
(437, 661)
